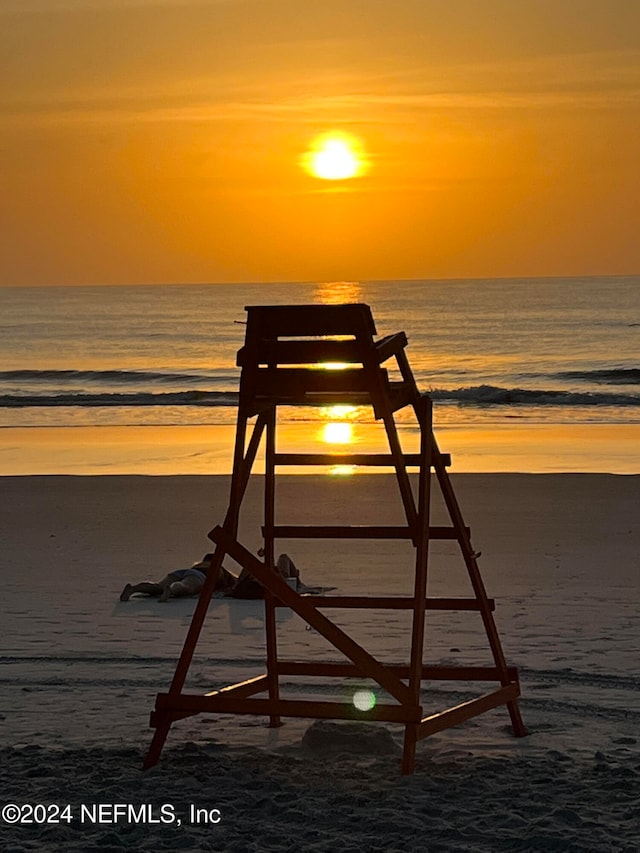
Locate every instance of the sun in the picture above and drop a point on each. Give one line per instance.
(334, 157)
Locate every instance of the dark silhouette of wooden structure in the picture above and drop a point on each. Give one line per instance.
(284, 348)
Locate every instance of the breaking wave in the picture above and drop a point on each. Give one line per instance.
(111, 377)
(491, 395)
(478, 395)
(170, 398)
(612, 376)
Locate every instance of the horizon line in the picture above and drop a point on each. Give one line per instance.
(284, 282)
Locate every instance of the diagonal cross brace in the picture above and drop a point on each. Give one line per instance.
(369, 666)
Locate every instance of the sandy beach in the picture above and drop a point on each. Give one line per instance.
(358, 223)
(80, 671)
(187, 450)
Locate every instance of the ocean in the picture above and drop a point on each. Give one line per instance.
(494, 354)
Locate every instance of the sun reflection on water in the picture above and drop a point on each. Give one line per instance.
(342, 470)
(340, 410)
(337, 292)
(338, 432)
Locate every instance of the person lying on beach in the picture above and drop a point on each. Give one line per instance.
(180, 582)
(189, 582)
(246, 586)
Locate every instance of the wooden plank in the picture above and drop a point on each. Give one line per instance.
(243, 688)
(285, 382)
(158, 719)
(467, 710)
(331, 669)
(449, 603)
(240, 691)
(192, 704)
(365, 459)
(269, 559)
(339, 638)
(422, 547)
(356, 531)
(161, 722)
(399, 396)
(390, 345)
(466, 673)
(340, 531)
(239, 481)
(424, 409)
(470, 559)
(383, 409)
(318, 398)
(294, 321)
(392, 602)
(300, 352)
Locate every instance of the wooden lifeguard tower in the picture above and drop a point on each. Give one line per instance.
(284, 347)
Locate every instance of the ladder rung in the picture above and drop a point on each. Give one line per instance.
(276, 352)
(372, 602)
(370, 459)
(326, 390)
(436, 673)
(283, 382)
(341, 531)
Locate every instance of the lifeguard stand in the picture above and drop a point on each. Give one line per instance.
(284, 348)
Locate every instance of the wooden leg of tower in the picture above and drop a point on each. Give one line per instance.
(240, 472)
(240, 477)
(401, 472)
(238, 485)
(269, 557)
(245, 464)
(186, 655)
(157, 743)
(517, 723)
(420, 584)
(477, 583)
(409, 749)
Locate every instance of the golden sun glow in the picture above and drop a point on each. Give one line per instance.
(337, 433)
(333, 365)
(335, 157)
(339, 410)
(342, 470)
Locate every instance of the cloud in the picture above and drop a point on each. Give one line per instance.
(589, 82)
(47, 6)
(353, 108)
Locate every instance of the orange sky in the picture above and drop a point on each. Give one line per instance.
(160, 140)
